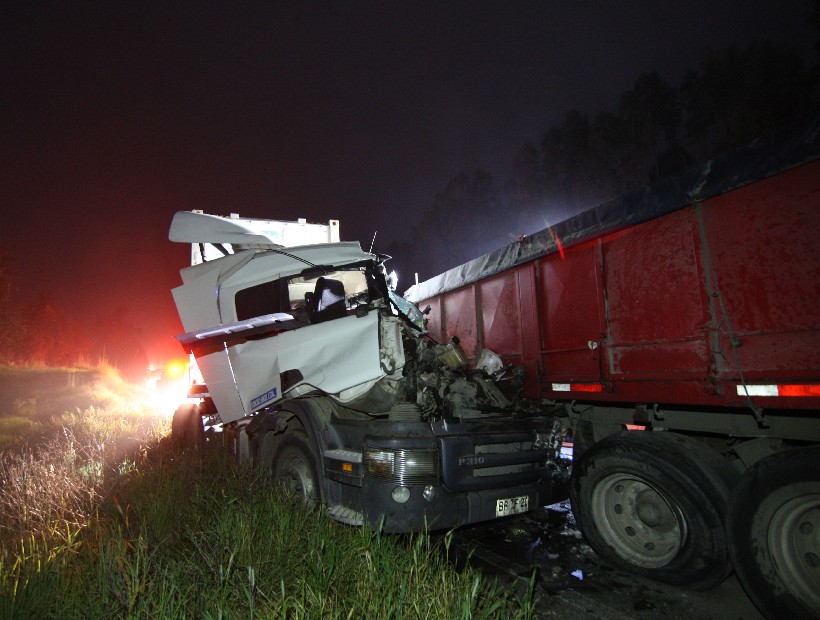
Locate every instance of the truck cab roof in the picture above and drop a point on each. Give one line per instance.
(215, 236)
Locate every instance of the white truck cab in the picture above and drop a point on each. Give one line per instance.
(320, 373)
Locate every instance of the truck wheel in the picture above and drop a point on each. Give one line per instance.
(295, 468)
(773, 527)
(267, 450)
(653, 503)
(187, 430)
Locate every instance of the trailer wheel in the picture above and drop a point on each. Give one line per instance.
(774, 533)
(653, 503)
(187, 430)
(295, 468)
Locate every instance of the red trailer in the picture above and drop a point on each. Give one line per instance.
(679, 330)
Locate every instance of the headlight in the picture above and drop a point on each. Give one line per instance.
(401, 466)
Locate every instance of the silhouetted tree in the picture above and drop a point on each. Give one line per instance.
(118, 343)
(527, 183)
(466, 219)
(51, 339)
(38, 333)
(649, 116)
(525, 194)
(737, 94)
(813, 18)
(11, 326)
(569, 162)
(588, 161)
(656, 130)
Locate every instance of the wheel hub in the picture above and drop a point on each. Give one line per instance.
(638, 522)
(296, 477)
(794, 543)
(648, 510)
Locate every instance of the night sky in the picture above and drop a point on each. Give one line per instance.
(113, 117)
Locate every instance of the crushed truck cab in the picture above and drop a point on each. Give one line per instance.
(316, 370)
(257, 334)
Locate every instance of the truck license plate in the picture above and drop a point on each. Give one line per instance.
(512, 505)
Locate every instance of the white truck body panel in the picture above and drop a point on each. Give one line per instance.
(340, 358)
(197, 298)
(200, 299)
(343, 358)
(203, 230)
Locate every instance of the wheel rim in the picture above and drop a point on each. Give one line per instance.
(295, 476)
(637, 521)
(794, 543)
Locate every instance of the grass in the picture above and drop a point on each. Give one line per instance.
(92, 529)
(37, 403)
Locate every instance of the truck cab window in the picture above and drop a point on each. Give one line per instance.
(262, 299)
(329, 296)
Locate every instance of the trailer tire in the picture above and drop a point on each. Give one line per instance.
(773, 528)
(295, 467)
(187, 430)
(653, 503)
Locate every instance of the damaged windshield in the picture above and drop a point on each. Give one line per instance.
(407, 309)
(323, 294)
(307, 299)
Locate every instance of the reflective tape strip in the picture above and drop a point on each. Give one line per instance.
(757, 390)
(799, 390)
(577, 387)
(778, 390)
(587, 387)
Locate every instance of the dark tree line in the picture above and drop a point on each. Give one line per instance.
(656, 130)
(39, 333)
(10, 317)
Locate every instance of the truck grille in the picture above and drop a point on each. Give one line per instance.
(502, 448)
(471, 463)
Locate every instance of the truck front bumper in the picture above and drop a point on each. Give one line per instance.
(409, 508)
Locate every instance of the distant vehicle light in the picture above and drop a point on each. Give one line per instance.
(176, 368)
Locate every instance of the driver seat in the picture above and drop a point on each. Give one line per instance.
(327, 301)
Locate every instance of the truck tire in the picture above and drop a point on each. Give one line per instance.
(295, 467)
(267, 450)
(773, 528)
(187, 430)
(653, 503)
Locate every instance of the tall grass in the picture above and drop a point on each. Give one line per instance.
(53, 479)
(104, 533)
(36, 404)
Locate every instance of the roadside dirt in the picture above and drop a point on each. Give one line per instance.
(572, 582)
